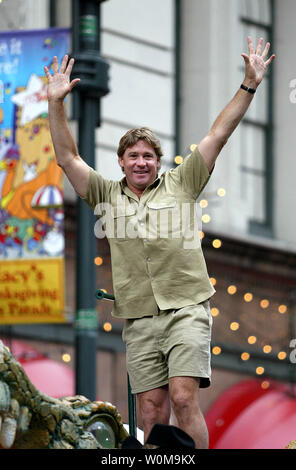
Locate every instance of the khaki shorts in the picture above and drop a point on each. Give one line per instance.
(173, 343)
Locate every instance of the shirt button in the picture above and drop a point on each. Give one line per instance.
(148, 259)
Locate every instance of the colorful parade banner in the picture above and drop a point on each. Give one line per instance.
(31, 291)
(31, 190)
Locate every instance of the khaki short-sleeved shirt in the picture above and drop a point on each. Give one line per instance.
(156, 255)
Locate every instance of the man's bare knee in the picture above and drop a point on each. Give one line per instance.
(154, 408)
(184, 393)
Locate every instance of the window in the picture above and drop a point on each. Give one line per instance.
(256, 164)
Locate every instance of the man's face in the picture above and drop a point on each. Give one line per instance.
(140, 164)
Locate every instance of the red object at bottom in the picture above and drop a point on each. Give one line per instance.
(247, 416)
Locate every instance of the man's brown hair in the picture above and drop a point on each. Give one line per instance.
(132, 136)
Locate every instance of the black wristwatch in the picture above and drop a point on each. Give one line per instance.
(249, 90)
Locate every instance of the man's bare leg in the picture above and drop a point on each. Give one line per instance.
(154, 406)
(184, 396)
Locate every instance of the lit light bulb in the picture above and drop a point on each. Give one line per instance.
(206, 218)
(213, 281)
(178, 159)
(252, 339)
(221, 192)
(231, 290)
(217, 243)
(264, 303)
(203, 203)
(248, 297)
(234, 326)
(215, 311)
(66, 357)
(216, 350)
(107, 326)
(245, 356)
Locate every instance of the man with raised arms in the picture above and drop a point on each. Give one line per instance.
(161, 286)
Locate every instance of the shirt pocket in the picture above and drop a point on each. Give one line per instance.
(163, 217)
(167, 203)
(124, 222)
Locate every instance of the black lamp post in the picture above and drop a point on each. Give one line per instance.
(92, 69)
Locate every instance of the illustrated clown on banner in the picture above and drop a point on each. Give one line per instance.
(31, 192)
